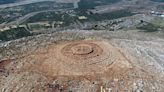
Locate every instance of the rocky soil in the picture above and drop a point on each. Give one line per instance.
(83, 61)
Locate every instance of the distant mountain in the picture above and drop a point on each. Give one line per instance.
(7, 1)
(157, 0)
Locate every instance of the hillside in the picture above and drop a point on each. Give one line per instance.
(7, 1)
(83, 61)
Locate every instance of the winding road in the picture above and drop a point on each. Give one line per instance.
(27, 16)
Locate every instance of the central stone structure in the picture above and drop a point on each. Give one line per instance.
(82, 49)
(84, 57)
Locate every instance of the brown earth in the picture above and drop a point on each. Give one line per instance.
(64, 59)
(85, 65)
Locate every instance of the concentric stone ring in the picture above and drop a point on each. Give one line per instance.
(85, 57)
(81, 50)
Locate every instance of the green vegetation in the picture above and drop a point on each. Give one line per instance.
(149, 27)
(7, 1)
(155, 25)
(160, 7)
(105, 16)
(158, 21)
(88, 4)
(40, 6)
(52, 16)
(68, 19)
(1, 19)
(12, 13)
(33, 7)
(38, 26)
(6, 19)
(14, 34)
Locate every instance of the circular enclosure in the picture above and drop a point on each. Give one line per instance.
(81, 50)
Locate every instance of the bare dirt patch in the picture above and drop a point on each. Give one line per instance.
(88, 65)
(79, 58)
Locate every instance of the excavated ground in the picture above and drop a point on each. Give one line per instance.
(85, 65)
(78, 58)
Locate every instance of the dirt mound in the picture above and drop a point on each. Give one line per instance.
(82, 50)
(87, 65)
(79, 58)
